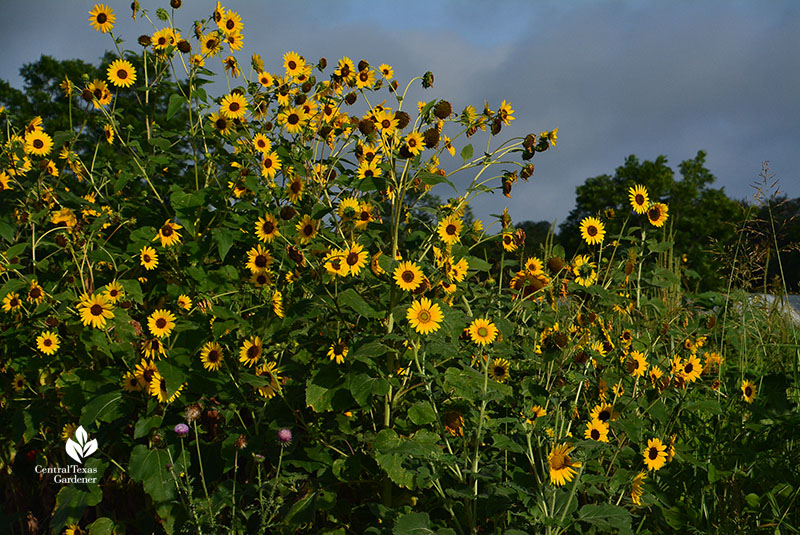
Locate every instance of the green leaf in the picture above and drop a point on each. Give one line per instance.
(351, 299)
(421, 413)
(146, 424)
(70, 504)
(160, 143)
(224, 239)
(413, 524)
(363, 387)
(176, 100)
(101, 526)
(606, 516)
(478, 264)
(466, 153)
(104, 408)
(150, 468)
(433, 179)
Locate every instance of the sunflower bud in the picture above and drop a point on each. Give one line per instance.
(307, 86)
(497, 125)
(427, 80)
(268, 126)
(443, 109)
(61, 240)
(87, 95)
(394, 84)
(324, 131)
(350, 98)
(629, 267)
(184, 46)
(555, 264)
(431, 137)
(529, 142)
(404, 153)
(296, 255)
(300, 99)
(362, 65)
(712, 320)
(175, 4)
(561, 339)
(527, 172)
(51, 322)
(287, 212)
(145, 40)
(366, 126)
(402, 119)
(322, 63)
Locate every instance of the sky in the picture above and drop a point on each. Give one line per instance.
(616, 78)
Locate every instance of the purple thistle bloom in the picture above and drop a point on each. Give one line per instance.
(181, 430)
(285, 436)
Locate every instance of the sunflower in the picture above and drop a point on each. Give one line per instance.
(356, 259)
(408, 276)
(74, 529)
(603, 412)
(386, 71)
(231, 22)
(144, 372)
(364, 215)
(596, 430)
(592, 230)
(295, 188)
(348, 208)
(306, 229)
(101, 96)
(269, 371)
(158, 389)
(584, 270)
(161, 322)
(48, 342)
(458, 271)
(386, 122)
(637, 364)
(561, 466)
(38, 143)
(691, 369)
(220, 123)
(509, 243)
(114, 292)
(35, 293)
(425, 317)
(102, 18)
(657, 214)
(130, 383)
(162, 39)
(210, 44)
(414, 143)
(121, 73)
(536, 412)
(293, 63)
(270, 165)
(655, 456)
(368, 170)
(637, 488)
(153, 348)
(277, 304)
(338, 351)
(4, 180)
(534, 265)
(95, 309)
(211, 356)
(168, 234)
(267, 228)
(18, 382)
(184, 302)
(499, 370)
(454, 423)
(265, 79)
(748, 391)
(292, 119)
(258, 259)
(482, 331)
(108, 133)
(639, 199)
(251, 350)
(345, 69)
(261, 279)
(262, 143)
(335, 263)
(148, 258)
(449, 229)
(233, 106)
(68, 431)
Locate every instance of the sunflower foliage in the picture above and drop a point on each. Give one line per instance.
(268, 328)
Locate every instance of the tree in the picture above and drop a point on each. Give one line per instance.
(698, 213)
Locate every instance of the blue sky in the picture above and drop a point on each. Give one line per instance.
(616, 77)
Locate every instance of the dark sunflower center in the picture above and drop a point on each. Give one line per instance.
(146, 258)
(748, 391)
(233, 106)
(296, 187)
(38, 143)
(147, 375)
(47, 342)
(211, 44)
(604, 415)
(155, 345)
(166, 231)
(98, 93)
(336, 264)
(162, 41)
(365, 216)
(14, 302)
(591, 230)
(507, 239)
(635, 364)
(345, 71)
(268, 163)
(338, 349)
(595, 434)
(268, 227)
(221, 123)
(308, 230)
(102, 18)
(113, 293)
(292, 65)
(499, 371)
(122, 74)
(35, 293)
(407, 276)
(363, 76)
(653, 453)
(253, 352)
(450, 229)
(386, 123)
(213, 355)
(688, 368)
(293, 119)
(352, 259)
(261, 261)
(162, 384)
(424, 316)
(369, 173)
(230, 24)
(261, 279)
(558, 461)
(96, 310)
(639, 199)
(654, 214)
(161, 323)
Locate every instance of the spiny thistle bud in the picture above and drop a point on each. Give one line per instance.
(527, 171)
(402, 119)
(443, 109)
(145, 40)
(184, 46)
(363, 65)
(193, 412)
(431, 137)
(240, 443)
(366, 126)
(350, 98)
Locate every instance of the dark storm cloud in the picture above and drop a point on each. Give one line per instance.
(617, 78)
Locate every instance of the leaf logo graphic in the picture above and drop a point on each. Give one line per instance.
(81, 447)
